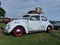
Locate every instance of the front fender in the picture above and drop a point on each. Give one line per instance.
(25, 27)
(9, 27)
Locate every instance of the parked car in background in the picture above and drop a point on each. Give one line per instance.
(7, 20)
(56, 24)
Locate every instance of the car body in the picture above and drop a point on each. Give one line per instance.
(29, 24)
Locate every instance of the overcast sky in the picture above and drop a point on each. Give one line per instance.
(16, 8)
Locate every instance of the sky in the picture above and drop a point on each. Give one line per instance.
(17, 8)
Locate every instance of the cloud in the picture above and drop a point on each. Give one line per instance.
(54, 0)
(16, 8)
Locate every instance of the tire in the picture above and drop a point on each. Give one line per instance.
(18, 31)
(49, 29)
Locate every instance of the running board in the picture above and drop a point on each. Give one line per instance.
(36, 31)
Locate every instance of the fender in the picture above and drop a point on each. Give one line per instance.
(11, 26)
(48, 25)
(25, 27)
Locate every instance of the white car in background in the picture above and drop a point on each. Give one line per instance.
(29, 24)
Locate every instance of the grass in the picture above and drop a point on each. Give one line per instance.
(31, 39)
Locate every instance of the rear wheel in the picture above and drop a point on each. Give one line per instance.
(18, 31)
(49, 29)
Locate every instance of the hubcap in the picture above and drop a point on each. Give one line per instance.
(18, 30)
(49, 28)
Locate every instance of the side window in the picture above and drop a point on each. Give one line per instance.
(35, 18)
(26, 17)
(43, 18)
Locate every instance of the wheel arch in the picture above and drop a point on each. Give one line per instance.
(48, 26)
(25, 29)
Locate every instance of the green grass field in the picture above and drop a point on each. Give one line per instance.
(31, 39)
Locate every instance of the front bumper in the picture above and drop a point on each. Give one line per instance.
(6, 31)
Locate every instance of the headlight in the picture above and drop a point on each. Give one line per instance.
(8, 26)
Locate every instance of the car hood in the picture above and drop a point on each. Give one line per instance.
(18, 21)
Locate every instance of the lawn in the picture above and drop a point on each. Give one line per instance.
(42, 38)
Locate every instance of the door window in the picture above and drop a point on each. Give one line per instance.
(43, 18)
(35, 18)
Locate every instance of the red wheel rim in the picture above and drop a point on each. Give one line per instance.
(18, 34)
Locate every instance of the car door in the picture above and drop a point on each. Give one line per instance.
(34, 23)
(43, 22)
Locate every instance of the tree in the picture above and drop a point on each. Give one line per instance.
(2, 12)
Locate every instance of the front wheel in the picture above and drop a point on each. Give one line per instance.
(49, 29)
(18, 31)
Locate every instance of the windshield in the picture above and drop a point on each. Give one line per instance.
(26, 17)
